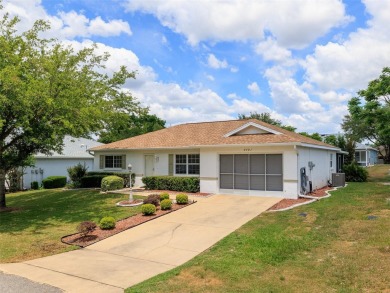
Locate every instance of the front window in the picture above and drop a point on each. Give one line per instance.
(113, 162)
(187, 164)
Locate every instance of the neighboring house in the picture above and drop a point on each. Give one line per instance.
(74, 152)
(246, 157)
(366, 155)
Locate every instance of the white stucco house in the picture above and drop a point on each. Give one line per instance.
(74, 152)
(366, 155)
(246, 157)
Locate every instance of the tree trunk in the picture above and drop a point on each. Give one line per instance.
(2, 188)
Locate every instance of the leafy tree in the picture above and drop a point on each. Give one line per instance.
(315, 135)
(266, 117)
(128, 125)
(370, 120)
(47, 91)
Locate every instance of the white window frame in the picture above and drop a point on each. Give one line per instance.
(187, 164)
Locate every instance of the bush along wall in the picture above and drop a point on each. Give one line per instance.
(92, 181)
(112, 183)
(355, 173)
(185, 184)
(123, 175)
(54, 182)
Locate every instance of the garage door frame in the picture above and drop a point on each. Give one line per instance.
(237, 171)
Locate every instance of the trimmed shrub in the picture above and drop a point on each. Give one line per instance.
(184, 184)
(76, 173)
(148, 209)
(84, 228)
(111, 183)
(182, 198)
(54, 182)
(123, 175)
(355, 173)
(166, 204)
(107, 223)
(34, 185)
(93, 181)
(154, 199)
(164, 195)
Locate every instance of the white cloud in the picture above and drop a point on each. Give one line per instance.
(349, 65)
(209, 77)
(254, 88)
(271, 51)
(294, 23)
(65, 24)
(215, 63)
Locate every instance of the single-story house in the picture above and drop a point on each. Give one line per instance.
(365, 155)
(74, 152)
(246, 157)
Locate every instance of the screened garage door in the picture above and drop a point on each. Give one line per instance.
(251, 172)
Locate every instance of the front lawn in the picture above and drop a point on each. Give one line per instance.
(338, 244)
(42, 217)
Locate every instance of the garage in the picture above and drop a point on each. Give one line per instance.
(260, 172)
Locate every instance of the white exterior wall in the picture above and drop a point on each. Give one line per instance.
(52, 167)
(322, 171)
(137, 160)
(293, 159)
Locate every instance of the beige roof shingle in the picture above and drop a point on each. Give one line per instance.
(208, 134)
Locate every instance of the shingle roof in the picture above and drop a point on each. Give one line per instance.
(209, 134)
(74, 148)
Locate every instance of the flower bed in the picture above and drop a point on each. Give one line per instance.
(122, 225)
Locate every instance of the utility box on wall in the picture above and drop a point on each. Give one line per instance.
(338, 179)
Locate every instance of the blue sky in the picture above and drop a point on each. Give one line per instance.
(203, 60)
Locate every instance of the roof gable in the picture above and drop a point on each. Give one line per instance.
(251, 128)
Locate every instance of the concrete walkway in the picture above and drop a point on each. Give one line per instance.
(147, 250)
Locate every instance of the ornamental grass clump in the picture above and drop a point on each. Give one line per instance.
(153, 199)
(182, 198)
(107, 223)
(148, 209)
(86, 227)
(166, 204)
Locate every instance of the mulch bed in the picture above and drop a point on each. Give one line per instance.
(286, 203)
(122, 225)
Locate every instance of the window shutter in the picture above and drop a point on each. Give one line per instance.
(123, 161)
(102, 162)
(170, 165)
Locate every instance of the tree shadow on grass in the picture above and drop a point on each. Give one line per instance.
(43, 208)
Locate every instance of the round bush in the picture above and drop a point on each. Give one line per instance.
(107, 223)
(112, 183)
(182, 198)
(166, 204)
(164, 195)
(148, 209)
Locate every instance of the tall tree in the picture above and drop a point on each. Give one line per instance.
(266, 117)
(131, 124)
(370, 120)
(48, 90)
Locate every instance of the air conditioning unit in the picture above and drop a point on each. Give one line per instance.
(338, 179)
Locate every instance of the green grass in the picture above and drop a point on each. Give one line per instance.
(335, 248)
(42, 217)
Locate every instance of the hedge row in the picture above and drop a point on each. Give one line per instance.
(185, 184)
(94, 179)
(123, 175)
(54, 182)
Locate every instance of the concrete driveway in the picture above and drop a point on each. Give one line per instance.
(147, 250)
